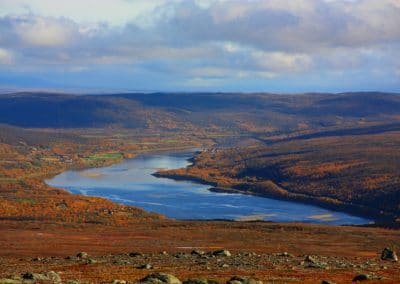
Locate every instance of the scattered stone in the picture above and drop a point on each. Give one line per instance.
(362, 277)
(310, 258)
(160, 278)
(135, 254)
(10, 281)
(312, 262)
(388, 254)
(197, 252)
(91, 261)
(62, 205)
(82, 255)
(200, 281)
(145, 266)
(118, 282)
(54, 277)
(243, 280)
(222, 252)
(181, 255)
(50, 276)
(225, 265)
(284, 254)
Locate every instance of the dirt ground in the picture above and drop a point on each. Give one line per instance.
(257, 250)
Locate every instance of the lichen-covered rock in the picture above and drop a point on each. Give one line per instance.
(46, 277)
(388, 254)
(10, 281)
(82, 255)
(198, 252)
(160, 278)
(362, 277)
(222, 252)
(200, 281)
(118, 282)
(243, 280)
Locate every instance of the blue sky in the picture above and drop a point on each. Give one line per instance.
(189, 45)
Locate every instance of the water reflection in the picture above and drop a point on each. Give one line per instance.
(131, 182)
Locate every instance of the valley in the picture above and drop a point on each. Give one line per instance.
(339, 151)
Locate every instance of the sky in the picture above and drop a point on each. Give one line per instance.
(201, 45)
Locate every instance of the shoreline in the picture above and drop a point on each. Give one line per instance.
(214, 188)
(379, 220)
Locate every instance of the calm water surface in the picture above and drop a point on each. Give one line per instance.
(131, 182)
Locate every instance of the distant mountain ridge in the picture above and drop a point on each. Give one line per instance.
(240, 112)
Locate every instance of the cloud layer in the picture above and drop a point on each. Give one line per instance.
(202, 45)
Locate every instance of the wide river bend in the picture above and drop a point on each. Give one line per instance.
(131, 182)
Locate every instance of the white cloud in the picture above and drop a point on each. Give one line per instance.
(204, 39)
(45, 32)
(282, 62)
(5, 56)
(113, 12)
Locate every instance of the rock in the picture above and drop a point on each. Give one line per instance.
(362, 277)
(28, 275)
(82, 255)
(10, 281)
(181, 255)
(243, 280)
(284, 254)
(222, 252)
(145, 266)
(312, 262)
(53, 277)
(327, 282)
(388, 254)
(50, 276)
(200, 281)
(160, 278)
(118, 282)
(197, 252)
(91, 261)
(62, 205)
(310, 258)
(135, 254)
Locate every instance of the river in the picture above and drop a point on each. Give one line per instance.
(132, 183)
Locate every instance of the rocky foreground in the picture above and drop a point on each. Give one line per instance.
(135, 252)
(201, 267)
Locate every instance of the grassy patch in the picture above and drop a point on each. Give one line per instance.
(107, 156)
(29, 201)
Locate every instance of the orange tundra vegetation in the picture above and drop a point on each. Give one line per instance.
(309, 148)
(356, 173)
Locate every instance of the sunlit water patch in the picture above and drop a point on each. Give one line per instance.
(131, 182)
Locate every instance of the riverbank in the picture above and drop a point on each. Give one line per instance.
(43, 228)
(132, 182)
(269, 189)
(354, 174)
(273, 191)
